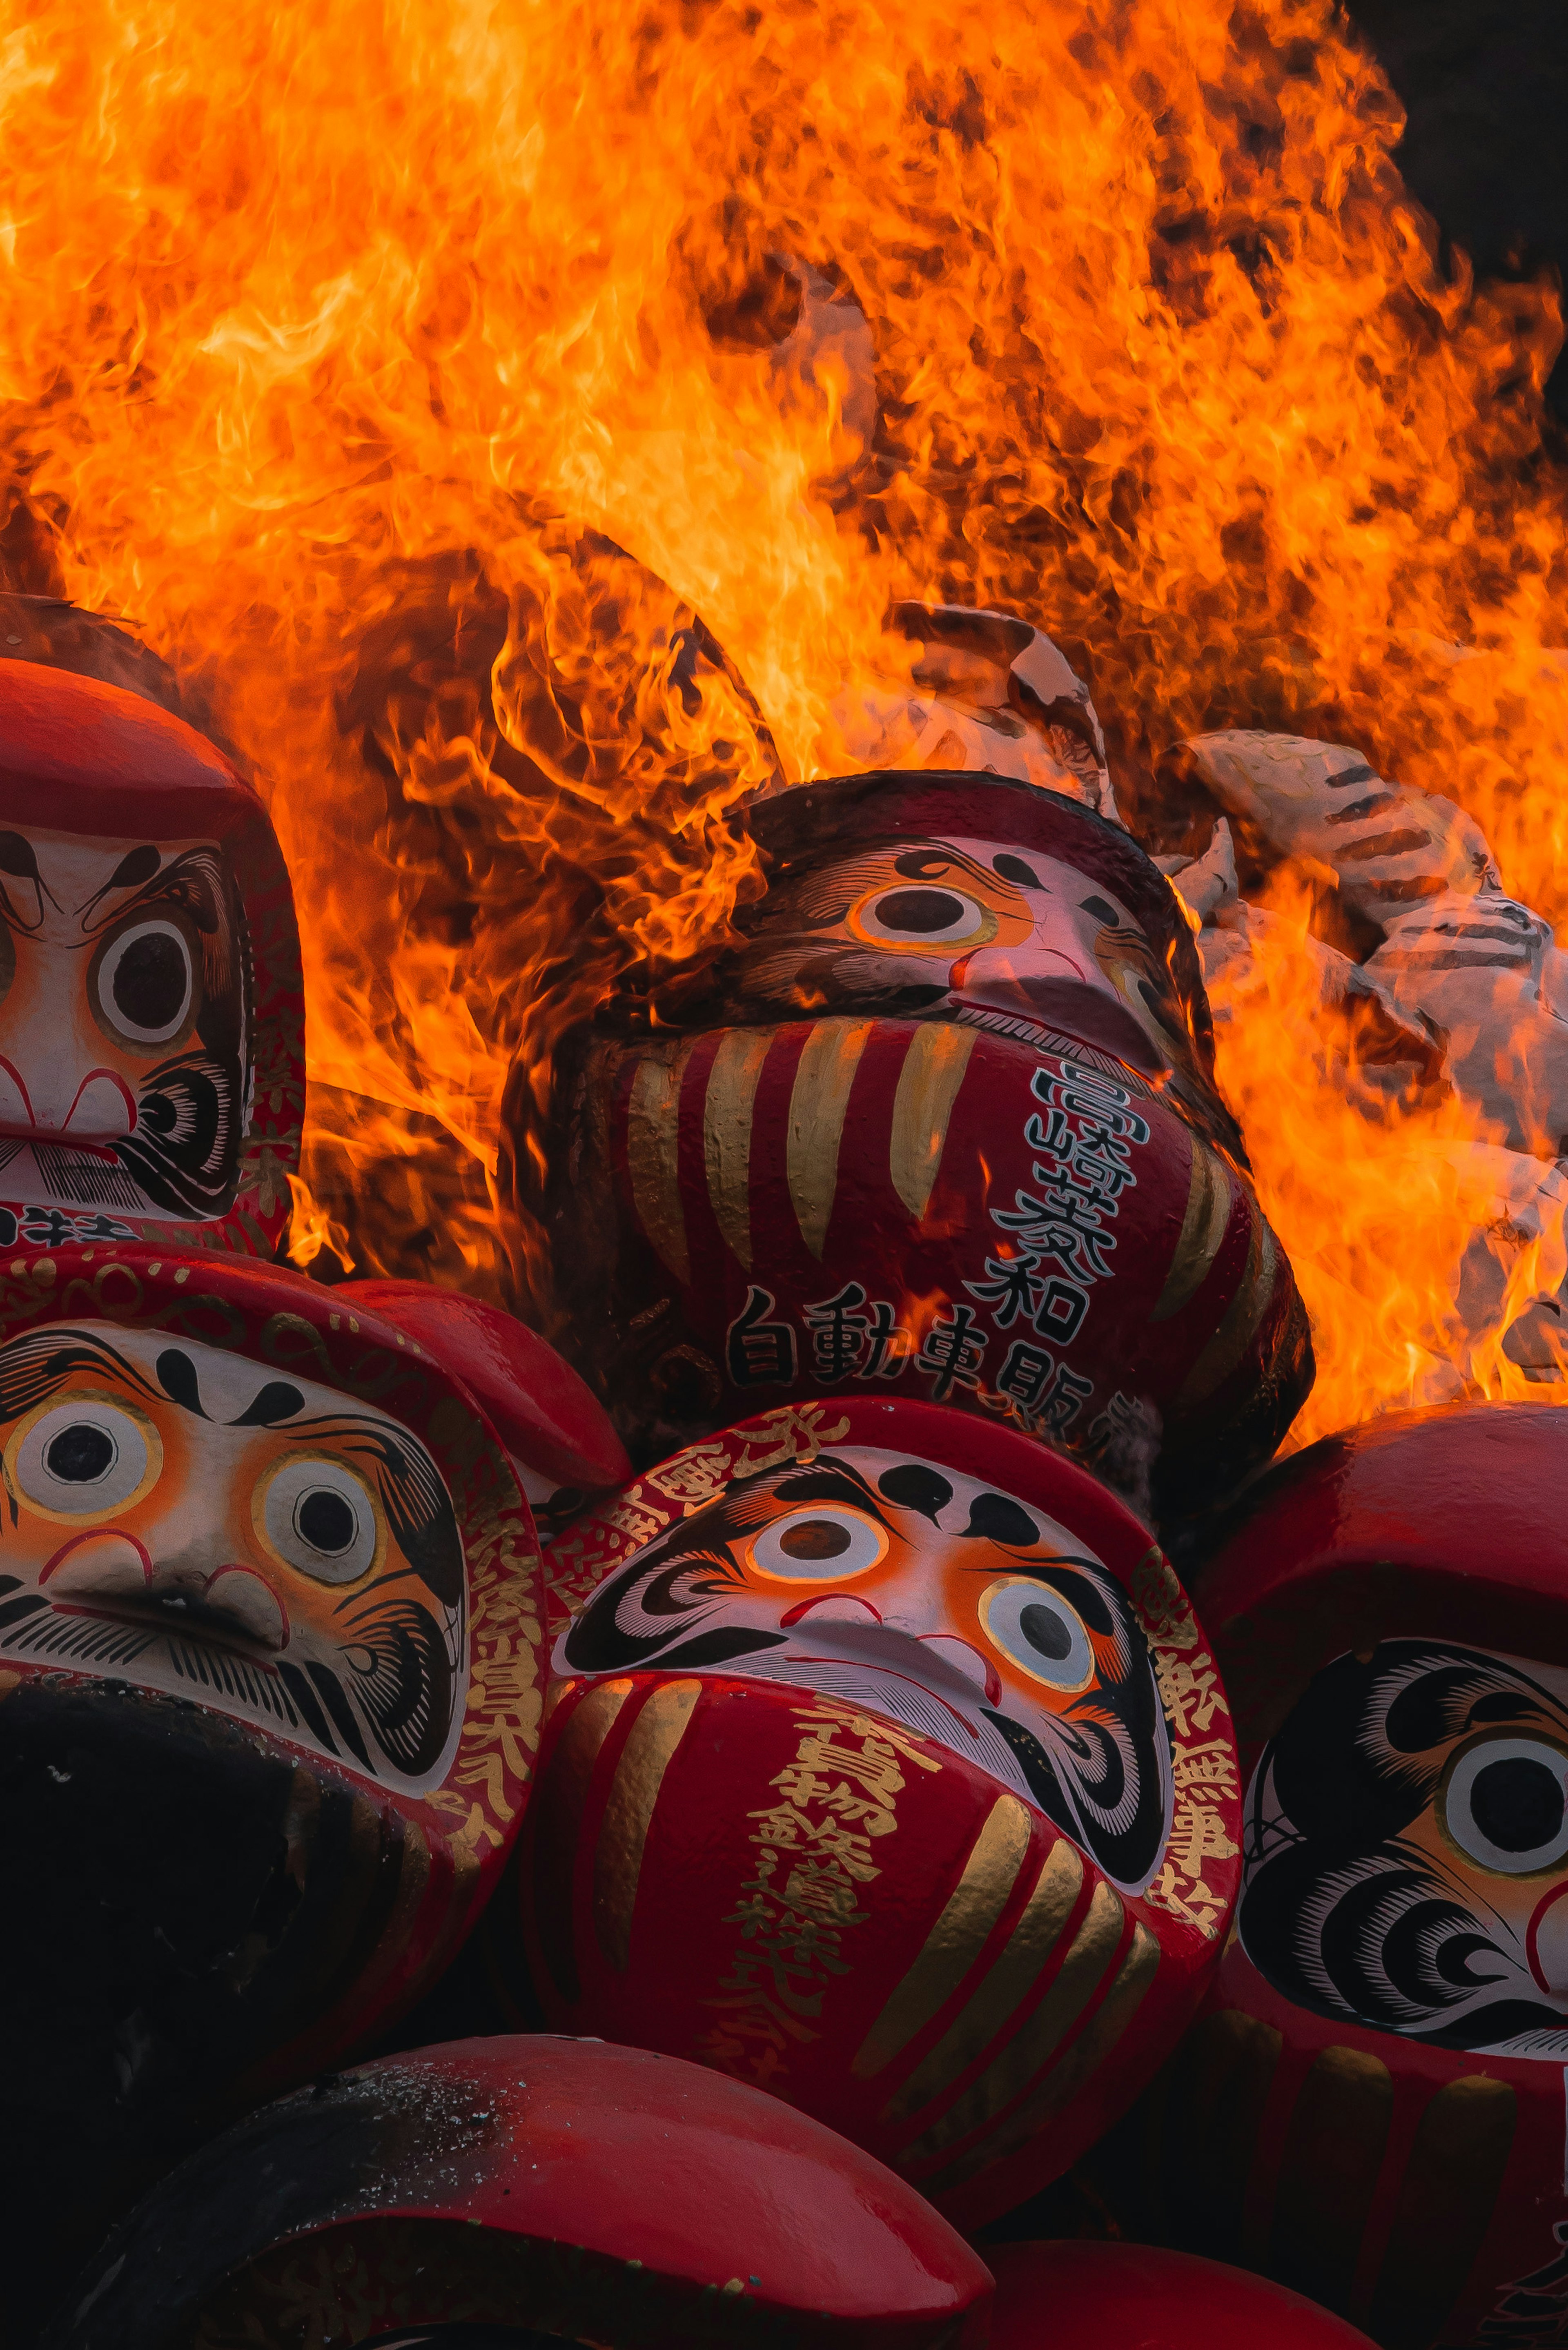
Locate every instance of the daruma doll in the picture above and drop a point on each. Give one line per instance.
(887, 1769)
(944, 1126)
(1371, 2106)
(270, 1681)
(152, 1019)
(516, 2194)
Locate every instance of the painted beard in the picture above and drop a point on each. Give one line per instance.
(276, 1553)
(1406, 1849)
(1096, 1764)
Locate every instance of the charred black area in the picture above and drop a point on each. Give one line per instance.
(185, 1899)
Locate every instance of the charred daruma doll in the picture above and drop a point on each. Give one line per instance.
(945, 1126)
(511, 2194)
(269, 1695)
(1371, 2108)
(151, 1020)
(886, 1769)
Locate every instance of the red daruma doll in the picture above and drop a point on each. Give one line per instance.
(886, 1769)
(944, 1125)
(1371, 2108)
(152, 1044)
(270, 1688)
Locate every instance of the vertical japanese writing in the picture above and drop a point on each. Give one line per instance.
(813, 1848)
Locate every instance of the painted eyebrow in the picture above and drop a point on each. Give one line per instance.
(195, 872)
(35, 1367)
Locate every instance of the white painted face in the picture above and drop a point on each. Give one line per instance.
(123, 1046)
(924, 1595)
(1014, 935)
(184, 1519)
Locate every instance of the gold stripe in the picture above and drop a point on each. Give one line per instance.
(1009, 1982)
(817, 1105)
(562, 1795)
(957, 1938)
(1328, 2173)
(1077, 1978)
(653, 1156)
(727, 1111)
(1447, 2198)
(628, 1813)
(1243, 1315)
(1065, 2080)
(928, 1087)
(1202, 1230)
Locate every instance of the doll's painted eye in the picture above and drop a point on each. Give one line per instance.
(83, 1458)
(145, 982)
(1035, 1628)
(818, 1545)
(322, 1519)
(925, 915)
(1506, 1804)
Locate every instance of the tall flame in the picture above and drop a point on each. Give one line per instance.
(311, 316)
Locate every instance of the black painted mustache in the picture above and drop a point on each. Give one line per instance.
(184, 1152)
(1101, 1781)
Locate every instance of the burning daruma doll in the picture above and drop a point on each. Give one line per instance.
(945, 1126)
(1371, 2106)
(887, 1769)
(269, 1694)
(151, 1049)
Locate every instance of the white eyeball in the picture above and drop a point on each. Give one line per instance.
(320, 1518)
(818, 1545)
(924, 914)
(1506, 1804)
(1035, 1629)
(145, 982)
(84, 1458)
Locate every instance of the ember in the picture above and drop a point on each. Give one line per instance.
(877, 705)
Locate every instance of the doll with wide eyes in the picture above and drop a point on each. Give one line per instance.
(861, 1784)
(150, 1011)
(944, 1124)
(271, 1671)
(1391, 2013)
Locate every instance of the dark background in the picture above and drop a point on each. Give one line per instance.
(1485, 85)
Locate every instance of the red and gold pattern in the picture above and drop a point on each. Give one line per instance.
(806, 1894)
(930, 1209)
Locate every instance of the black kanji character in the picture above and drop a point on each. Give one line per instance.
(760, 1353)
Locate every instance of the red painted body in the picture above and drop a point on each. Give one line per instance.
(98, 764)
(210, 1741)
(977, 1160)
(596, 2191)
(1417, 2188)
(751, 1871)
(1072, 2296)
(559, 1436)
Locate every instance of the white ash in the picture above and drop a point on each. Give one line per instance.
(990, 694)
(1457, 967)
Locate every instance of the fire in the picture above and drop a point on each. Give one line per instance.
(329, 334)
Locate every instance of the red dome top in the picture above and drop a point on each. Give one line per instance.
(86, 757)
(630, 2184)
(1069, 2296)
(1448, 1521)
(545, 1415)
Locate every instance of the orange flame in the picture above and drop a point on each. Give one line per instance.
(327, 333)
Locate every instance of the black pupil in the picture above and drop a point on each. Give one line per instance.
(922, 910)
(1517, 1803)
(815, 1538)
(326, 1520)
(1045, 1632)
(79, 1454)
(149, 981)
